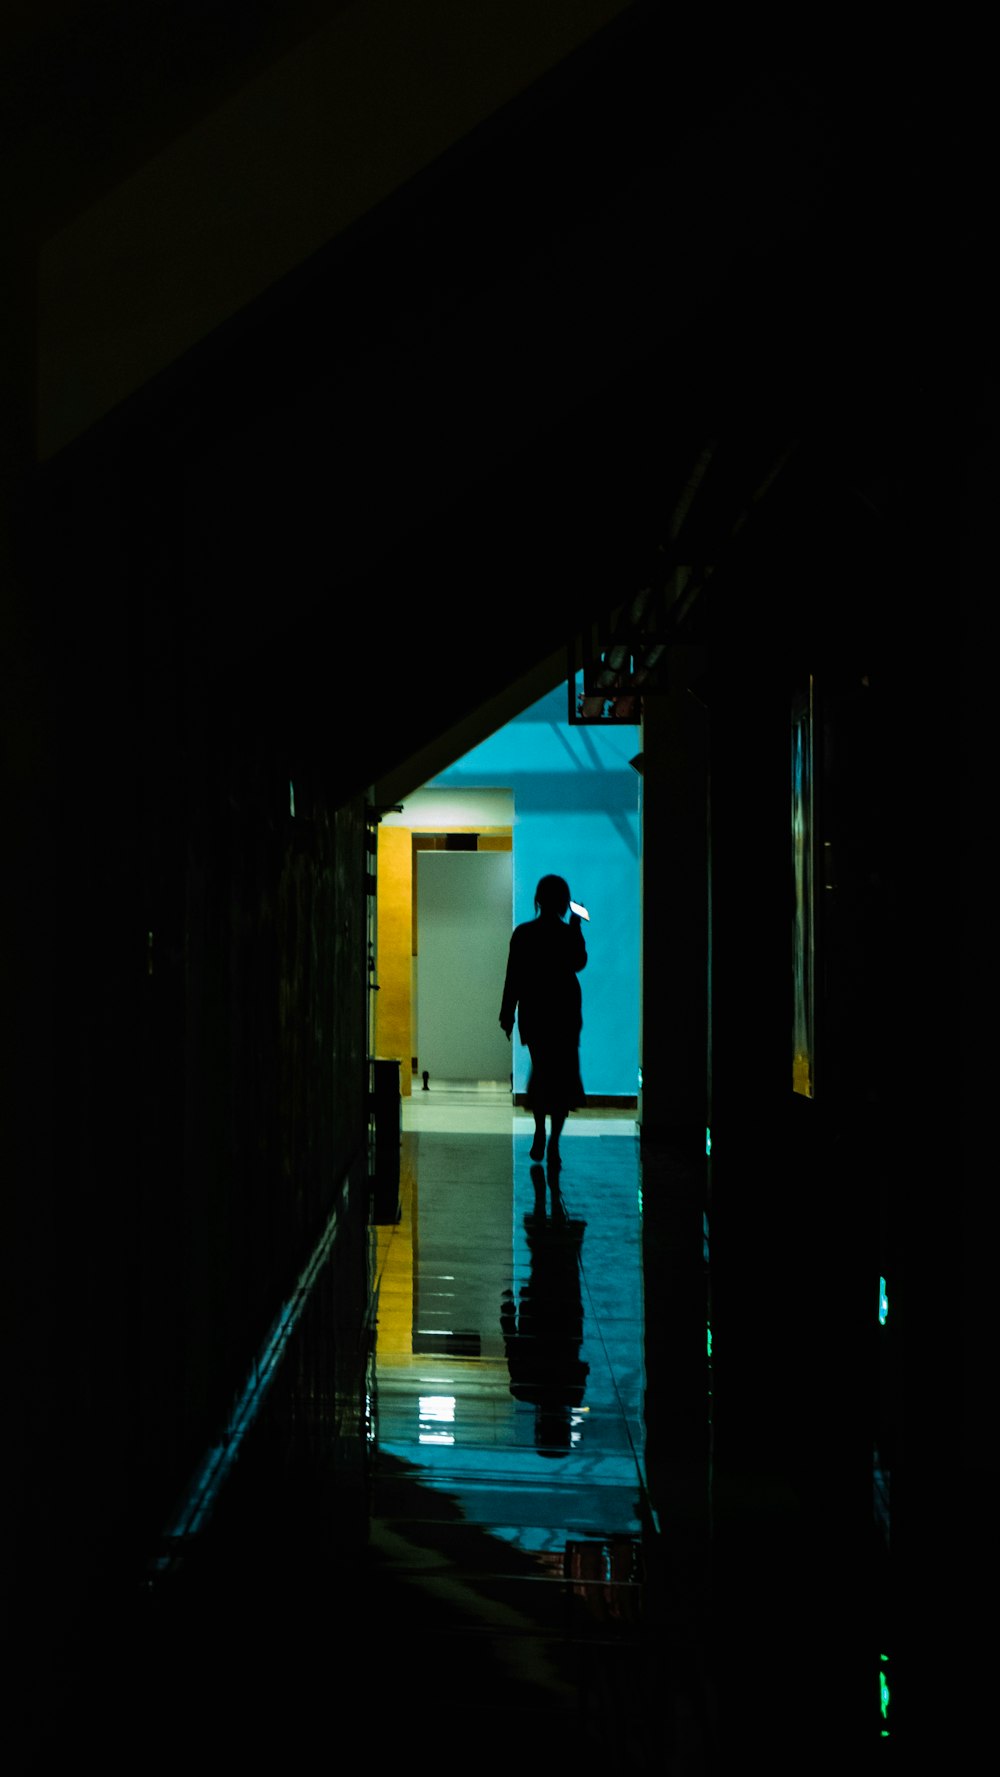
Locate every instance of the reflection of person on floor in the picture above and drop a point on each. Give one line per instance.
(546, 955)
(543, 1330)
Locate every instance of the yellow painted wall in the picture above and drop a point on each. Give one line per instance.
(396, 937)
(394, 941)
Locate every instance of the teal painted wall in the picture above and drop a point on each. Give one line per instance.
(577, 815)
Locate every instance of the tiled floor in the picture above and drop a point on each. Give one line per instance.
(531, 1569)
(565, 1574)
(499, 1611)
(510, 1497)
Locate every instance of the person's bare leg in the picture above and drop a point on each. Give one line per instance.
(558, 1118)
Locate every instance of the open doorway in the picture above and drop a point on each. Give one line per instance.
(578, 814)
(440, 972)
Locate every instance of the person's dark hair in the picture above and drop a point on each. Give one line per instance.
(552, 896)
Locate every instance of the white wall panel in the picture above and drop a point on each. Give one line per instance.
(464, 905)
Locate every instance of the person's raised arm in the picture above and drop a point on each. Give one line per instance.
(508, 1005)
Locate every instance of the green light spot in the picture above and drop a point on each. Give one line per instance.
(709, 1341)
(883, 1302)
(708, 1141)
(883, 1693)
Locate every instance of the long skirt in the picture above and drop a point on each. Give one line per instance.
(554, 1083)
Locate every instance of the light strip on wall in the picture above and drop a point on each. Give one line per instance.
(203, 1492)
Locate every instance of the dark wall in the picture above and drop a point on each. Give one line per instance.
(364, 507)
(192, 1082)
(812, 1200)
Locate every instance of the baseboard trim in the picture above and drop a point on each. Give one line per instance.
(595, 1101)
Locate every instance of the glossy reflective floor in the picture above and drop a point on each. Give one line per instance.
(537, 1564)
(568, 1577)
(510, 1492)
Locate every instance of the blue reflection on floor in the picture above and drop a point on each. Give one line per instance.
(510, 1486)
(548, 1416)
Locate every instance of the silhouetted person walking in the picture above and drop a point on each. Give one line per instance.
(546, 955)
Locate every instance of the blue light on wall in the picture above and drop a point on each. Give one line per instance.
(576, 802)
(883, 1302)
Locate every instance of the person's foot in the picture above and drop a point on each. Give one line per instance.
(538, 1147)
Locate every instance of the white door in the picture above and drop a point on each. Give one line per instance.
(464, 912)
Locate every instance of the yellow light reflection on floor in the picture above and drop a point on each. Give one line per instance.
(395, 1274)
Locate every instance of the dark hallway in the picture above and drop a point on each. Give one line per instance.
(535, 1559)
(515, 1588)
(367, 377)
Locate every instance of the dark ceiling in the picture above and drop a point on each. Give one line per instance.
(91, 88)
(424, 460)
